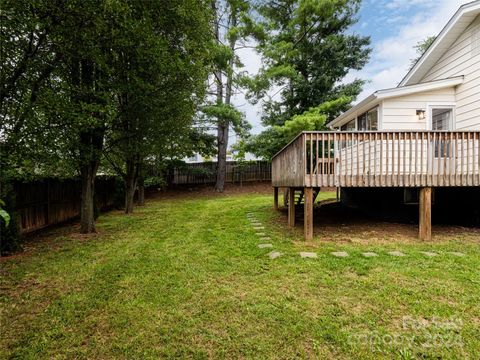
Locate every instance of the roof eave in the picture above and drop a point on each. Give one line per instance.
(392, 93)
(451, 23)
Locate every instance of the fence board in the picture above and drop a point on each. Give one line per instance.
(46, 202)
(205, 173)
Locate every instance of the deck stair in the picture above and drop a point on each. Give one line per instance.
(299, 196)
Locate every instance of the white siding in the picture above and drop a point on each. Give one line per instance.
(463, 58)
(400, 113)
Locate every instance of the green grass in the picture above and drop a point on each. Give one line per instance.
(184, 278)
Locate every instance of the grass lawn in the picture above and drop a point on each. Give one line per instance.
(183, 277)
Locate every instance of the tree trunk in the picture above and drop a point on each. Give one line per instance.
(223, 125)
(141, 192)
(91, 145)
(88, 173)
(222, 138)
(130, 185)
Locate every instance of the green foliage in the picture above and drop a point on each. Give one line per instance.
(4, 216)
(307, 50)
(85, 79)
(155, 181)
(421, 47)
(269, 142)
(159, 85)
(233, 26)
(9, 233)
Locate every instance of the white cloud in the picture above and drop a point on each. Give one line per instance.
(406, 4)
(391, 57)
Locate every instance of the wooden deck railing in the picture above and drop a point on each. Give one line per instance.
(379, 159)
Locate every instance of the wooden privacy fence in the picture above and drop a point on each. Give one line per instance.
(379, 159)
(205, 173)
(47, 202)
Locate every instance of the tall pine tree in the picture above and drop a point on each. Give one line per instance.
(307, 52)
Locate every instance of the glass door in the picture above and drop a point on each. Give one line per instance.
(441, 119)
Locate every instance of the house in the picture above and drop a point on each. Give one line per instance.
(441, 92)
(401, 144)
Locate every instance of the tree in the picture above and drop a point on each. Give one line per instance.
(421, 47)
(159, 75)
(306, 53)
(232, 24)
(52, 75)
(65, 83)
(269, 142)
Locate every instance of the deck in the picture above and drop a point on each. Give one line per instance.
(415, 159)
(379, 159)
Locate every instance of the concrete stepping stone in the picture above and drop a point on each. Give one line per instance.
(274, 254)
(369, 254)
(339, 253)
(256, 223)
(456, 253)
(260, 234)
(259, 228)
(311, 255)
(265, 238)
(396, 253)
(265, 246)
(429, 253)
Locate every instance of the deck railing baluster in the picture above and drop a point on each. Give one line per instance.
(379, 159)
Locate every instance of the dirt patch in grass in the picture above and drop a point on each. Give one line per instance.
(338, 224)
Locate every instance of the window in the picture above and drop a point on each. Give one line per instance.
(368, 121)
(373, 119)
(350, 126)
(362, 122)
(442, 119)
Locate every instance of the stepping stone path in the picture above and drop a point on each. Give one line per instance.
(396, 253)
(265, 246)
(310, 255)
(428, 253)
(369, 254)
(455, 253)
(339, 254)
(274, 254)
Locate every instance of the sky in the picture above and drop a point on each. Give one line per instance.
(395, 27)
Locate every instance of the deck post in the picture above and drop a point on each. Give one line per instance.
(275, 198)
(308, 213)
(291, 207)
(425, 215)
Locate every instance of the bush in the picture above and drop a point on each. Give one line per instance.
(9, 231)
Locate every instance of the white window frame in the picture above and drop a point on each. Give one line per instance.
(431, 106)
